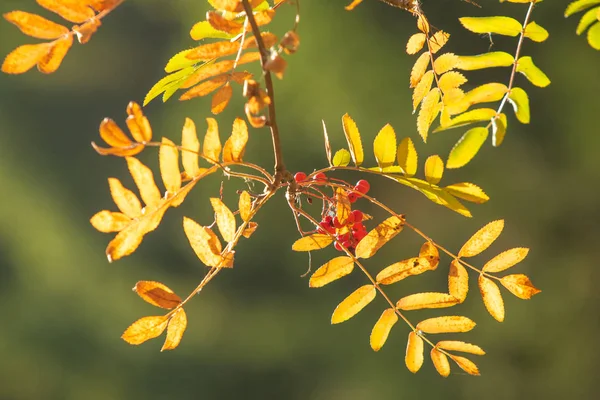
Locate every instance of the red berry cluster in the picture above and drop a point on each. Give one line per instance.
(349, 233)
(301, 177)
(362, 187)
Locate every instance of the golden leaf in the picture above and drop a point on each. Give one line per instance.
(382, 328)
(209, 51)
(225, 219)
(353, 138)
(418, 70)
(506, 259)
(445, 63)
(455, 345)
(466, 365)
(212, 143)
(51, 61)
(492, 299)
(458, 281)
(352, 5)
(415, 43)
(428, 113)
(145, 329)
(175, 330)
(439, 39)
(384, 146)
(25, 57)
(482, 239)
(352, 304)
(190, 149)
(249, 230)
(467, 147)
(138, 124)
(434, 169)
(334, 269)
(124, 198)
(210, 70)
(107, 221)
(342, 205)
(426, 300)
(222, 24)
(71, 10)
(407, 157)
(467, 191)
(144, 180)
(245, 205)
(403, 269)
(487, 93)
(499, 129)
(221, 99)
(379, 236)
(422, 89)
(204, 242)
(169, 166)
(519, 285)
(157, 294)
(486, 60)
(431, 253)
(205, 87)
(414, 353)
(447, 324)
(440, 362)
(313, 242)
(36, 26)
(235, 146)
(451, 80)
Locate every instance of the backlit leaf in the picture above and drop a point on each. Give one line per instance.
(506, 259)
(466, 365)
(414, 353)
(225, 219)
(157, 294)
(145, 329)
(467, 118)
(447, 324)
(212, 143)
(352, 304)
(468, 191)
(499, 25)
(438, 40)
(440, 362)
(482, 239)
(190, 149)
(107, 221)
(485, 60)
(593, 36)
(456, 345)
(418, 70)
(415, 43)
(175, 330)
(382, 328)
(313, 242)
(499, 129)
(35, 26)
(333, 270)
(138, 124)
(492, 299)
(535, 75)
(204, 29)
(445, 63)
(536, 32)
(458, 281)
(422, 88)
(384, 146)
(519, 285)
(169, 166)
(209, 51)
(520, 102)
(71, 10)
(579, 5)
(434, 169)
(588, 18)
(249, 230)
(25, 57)
(204, 242)
(221, 99)
(124, 198)
(341, 158)
(52, 61)
(486, 93)
(235, 146)
(379, 236)
(403, 269)
(467, 147)
(353, 139)
(426, 300)
(245, 205)
(205, 88)
(451, 80)
(431, 253)
(144, 180)
(428, 113)
(407, 157)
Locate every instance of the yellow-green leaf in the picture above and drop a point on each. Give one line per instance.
(467, 147)
(499, 129)
(382, 328)
(536, 32)
(535, 75)
(588, 18)
(384, 146)
(451, 80)
(313, 242)
(204, 30)
(353, 304)
(520, 102)
(467, 118)
(486, 60)
(353, 138)
(407, 157)
(341, 158)
(579, 5)
(499, 25)
(333, 270)
(434, 169)
(593, 36)
(468, 191)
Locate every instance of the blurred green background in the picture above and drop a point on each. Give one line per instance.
(259, 332)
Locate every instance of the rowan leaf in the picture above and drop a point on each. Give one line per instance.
(71, 10)
(138, 124)
(451, 80)
(422, 89)
(415, 43)
(520, 286)
(414, 353)
(210, 51)
(438, 40)
(418, 70)
(382, 328)
(458, 281)
(212, 143)
(482, 239)
(466, 365)
(506, 259)
(170, 84)
(403, 269)
(434, 169)
(440, 362)
(467, 191)
(487, 93)
(407, 157)
(446, 324)
(25, 57)
(485, 60)
(428, 113)
(467, 147)
(245, 206)
(169, 167)
(535, 75)
(343, 207)
(204, 242)
(125, 199)
(593, 36)
(435, 194)
(221, 99)
(579, 5)
(499, 129)
(431, 253)
(384, 146)
(235, 146)
(520, 101)
(467, 118)
(492, 298)
(175, 330)
(333, 270)
(353, 304)
(499, 25)
(107, 221)
(426, 300)
(52, 61)
(225, 219)
(145, 328)
(190, 149)
(456, 345)
(144, 180)
(36, 26)
(341, 158)
(379, 236)
(316, 241)
(249, 230)
(204, 88)
(445, 63)
(157, 294)
(588, 19)
(353, 139)
(536, 32)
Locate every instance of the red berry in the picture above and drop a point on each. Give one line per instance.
(359, 235)
(337, 223)
(350, 219)
(320, 177)
(300, 177)
(338, 247)
(328, 220)
(347, 244)
(358, 226)
(344, 238)
(352, 196)
(358, 215)
(362, 186)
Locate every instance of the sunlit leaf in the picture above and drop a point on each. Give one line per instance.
(446, 324)
(379, 236)
(506, 259)
(212, 143)
(422, 88)
(235, 146)
(485, 60)
(520, 102)
(403, 269)
(467, 118)
(71, 10)
(175, 330)
(414, 353)
(468, 191)
(492, 298)
(144, 180)
(435, 194)
(434, 169)
(407, 157)
(52, 61)
(438, 40)
(458, 281)
(440, 362)
(415, 43)
(535, 75)
(313, 242)
(486, 93)
(225, 219)
(245, 205)
(169, 166)
(343, 207)
(499, 25)
(519, 285)
(205, 87)
(579, 5)
(204, 242)
(382, 328)
(209, 51)
(456, 345)
(431, 253)
(333, 270)
(190, 149)
(341, 158)
(124, 198)
(467, 147)
(145, 329)
(107, 221)
(426, 300)
(138, 124)
(428, 113)
(482, 239)
(221, 99)
(25, 57)
(353, 304)
(384, 146)
(353, 139)
(536, 32)
(451, 80)
(445, 63)
(588, 19)
(35, 26)
(466, 365)
(499, 129)
(593, 36)
(157, 294)
(418, 70)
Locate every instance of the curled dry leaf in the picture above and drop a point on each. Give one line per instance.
(313, 242)
(426, 300)
(333, 270)
(221, 99)
(458, 281)
(382, 328)
(145, 329)
(225, 219)
(352, 304)
(506, 259)
(447, 324)
(440, 362)
(414, 353)
(379, 236)
(175, 330)
(492, 298)
(157, 294)
(403, 269)
(456, 345)
(482, 239)
(519, 285)
(249, 230)
(466, 365)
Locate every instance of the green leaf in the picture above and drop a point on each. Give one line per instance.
(341, 158)
(179, 61)
(535, 32)
(171, 81)
(499, 25)
(579, 5)
(486, 60)
(434, 169)
(593, 36)
(467, 147)
(469, 117)
(384, 146)
(520, 102)
(588, 18)
(408, 157)
(499, 129)
(535, 75)
(204, 30)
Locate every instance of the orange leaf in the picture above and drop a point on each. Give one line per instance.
(25, 57)
(113, 135)
(144, 180)
(222, 24)
(383, 233)
(466, 365)
(343, 207)
(209, 51)
(482, 239)
(334, 269)
(506, 259)
(157, 294)
(85, 31)
(426, 300)
(204, 242)
(71, 10)
(35, 26)
(175, 330)
(138, 124)
(455, 345)
(235, 146)
(403, 269)
(414, 353)
(249, 230)
(313, 242)
(145, 329)
(225, 219)
(124, 198)
(169, 167)
(205, 88)
(51, 61)
(446, 324)
(221, 99)
(107, 221)
(352, 304)
(520, 286)
(440, 362)
(492, 299)
(212, 143)
(458, 281)
(382, 328)
(429, 251)
(190, 149)
(245, 205)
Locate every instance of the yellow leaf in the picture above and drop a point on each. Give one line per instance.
(499, 25)
(440, 362)
(535, 75)
(235, 146)
(467, 118)
(352, 5)
(72, 10)
(458, 281)
(35, 26)
(590, 17)
(175, 330)
(422, 88)
(434, 169)
(379, 236)
(204, 242)
(124, 198)
(212, 143)
(342, 205)
(25, 57)
(107, 221)
(414, 353)
(157, 294)
(145, 329)
(435, 194)
(353, 138)
(426, 300)
(144, 180)
(485, 60)
(169, 167)
(467, 147)
(415, 43)
(520, 286)
(403, 269)
(245, 205)
(204, 88)
(448, 324)
(536, 32)
(579, 5)
(455, 345)
(312, 242)
(190, 149)
(445, 63)
(593, 36)
(520, 101)
(506, 259)
(431, 253)
(138, 124)
(492, 299)
(439, 39)
(382, 328)
(418, 70)
(499, 129)
(482, 239)
(225, 219)
(113, 135)
(428, 113)
(487, 93)
(333, 270)
(451, 80)
(468, 191)
(407, 157)
(352, 304)
(466, 365)
(52, 61)
(384, 146)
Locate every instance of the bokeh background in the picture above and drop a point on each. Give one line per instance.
(259, 332)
